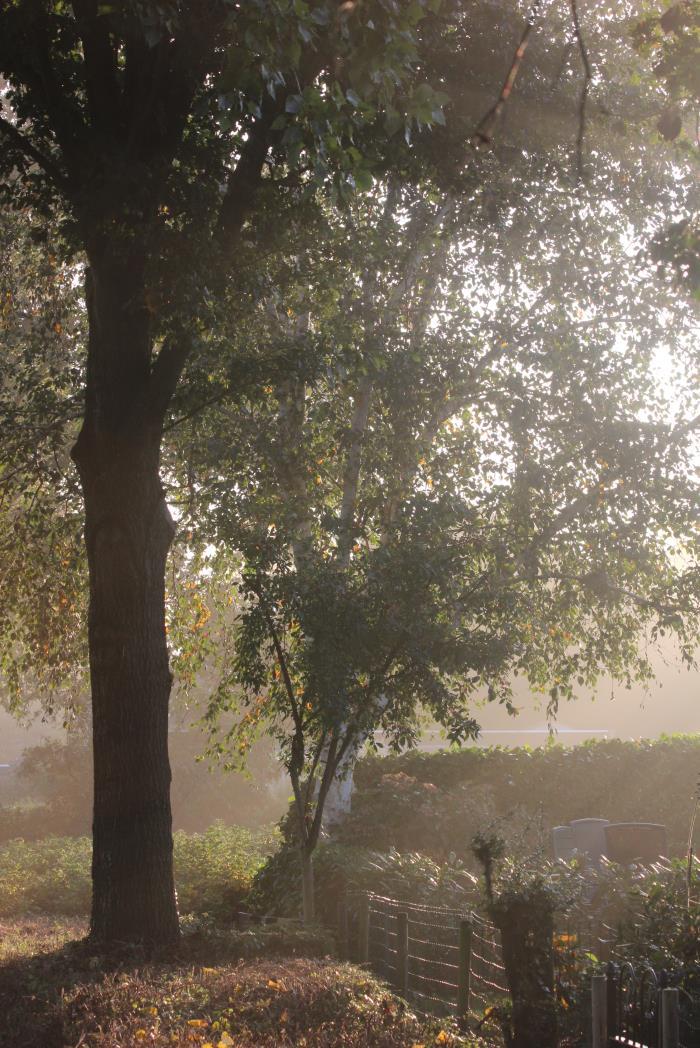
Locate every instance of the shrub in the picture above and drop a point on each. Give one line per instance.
(341, 869)
(50, 876)
(51, 790)
(623, 781)
(213, 870)
(649, 909)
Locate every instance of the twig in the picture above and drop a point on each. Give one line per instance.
(483, 136)
(196, 410)
(30, 151)
(583, 97)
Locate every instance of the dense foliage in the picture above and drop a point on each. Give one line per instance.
(213, 872)
(437, 801)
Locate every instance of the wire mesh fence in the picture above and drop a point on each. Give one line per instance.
(444, 961)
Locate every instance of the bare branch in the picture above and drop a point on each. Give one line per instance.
(483, 136)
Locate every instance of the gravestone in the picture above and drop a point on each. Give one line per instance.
(589, 838)
(628, 842)
(563, 843)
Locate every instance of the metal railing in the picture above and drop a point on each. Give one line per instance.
(642, 1008)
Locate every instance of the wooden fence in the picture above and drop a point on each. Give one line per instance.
(444, 961)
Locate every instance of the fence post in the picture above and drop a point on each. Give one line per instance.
(670, 1018)
(599, 1008)
(402, 952)
(465, 968)
(363, 931)
(612, 999)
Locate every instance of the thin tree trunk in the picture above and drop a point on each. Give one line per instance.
(307, 886)
(128, 532)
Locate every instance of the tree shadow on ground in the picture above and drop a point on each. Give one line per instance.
(34, 988)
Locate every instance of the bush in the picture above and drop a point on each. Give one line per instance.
(206, 996)
(340, 869)
(213, 871)
(649, 781)
(649, 910)
(51, 876)
(51, 790)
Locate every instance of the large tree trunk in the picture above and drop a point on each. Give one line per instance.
(128, 533)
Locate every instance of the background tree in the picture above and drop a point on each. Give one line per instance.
(460, 466)
(42, 570)
(671, 41)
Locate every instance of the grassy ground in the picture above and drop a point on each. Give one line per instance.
(54, 993)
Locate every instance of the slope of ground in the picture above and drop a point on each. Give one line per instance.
(54, 993)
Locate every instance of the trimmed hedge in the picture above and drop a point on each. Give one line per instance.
(433, 802)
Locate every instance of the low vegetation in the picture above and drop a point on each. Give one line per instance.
(53, 993)
(213, 871)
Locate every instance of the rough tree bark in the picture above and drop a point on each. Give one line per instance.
(128, 532)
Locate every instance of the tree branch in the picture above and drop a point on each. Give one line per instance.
(25, 146)
(244, 180)
(100, 63)
(351, 476)
(196, 410)
(587, 78)
(165, 374)
(483, 136)
(279, 651)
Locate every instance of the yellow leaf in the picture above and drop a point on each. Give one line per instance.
(140, 1035)
(226, 1041)
(442, 1038)
(152, 1011)
(208, 971)
(275, 984)
(284, 1017)
(199, 1024)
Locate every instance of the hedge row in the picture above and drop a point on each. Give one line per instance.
(432, 802)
